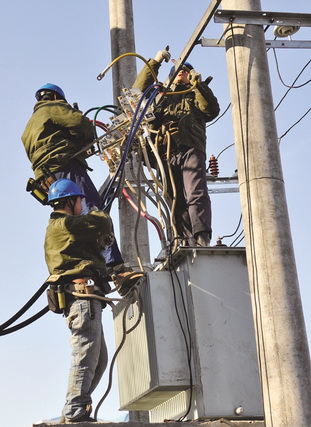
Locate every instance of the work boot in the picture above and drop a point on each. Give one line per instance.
(203, 238)
(85, 418)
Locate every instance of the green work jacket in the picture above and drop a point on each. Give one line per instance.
(71, 245)
(55, 133)
(189, 110)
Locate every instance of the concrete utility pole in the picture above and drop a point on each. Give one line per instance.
(281, 336)
(124, 74)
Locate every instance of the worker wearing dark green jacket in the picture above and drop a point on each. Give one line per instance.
(74, 259)
(53, 136)
(71, 244)
(186, 113)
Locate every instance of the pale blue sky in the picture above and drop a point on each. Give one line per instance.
(67, 43)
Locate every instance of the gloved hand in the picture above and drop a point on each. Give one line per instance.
(106, 240)
(193, 76)
(163, 55)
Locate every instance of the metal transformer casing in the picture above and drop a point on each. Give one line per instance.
(153, 366)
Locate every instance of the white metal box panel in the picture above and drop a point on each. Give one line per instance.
(222, 324)
(152, 365)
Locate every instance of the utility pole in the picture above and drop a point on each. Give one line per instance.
(124, 74)
(280, 330)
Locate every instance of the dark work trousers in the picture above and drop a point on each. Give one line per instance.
(193, 205)
(76, 173)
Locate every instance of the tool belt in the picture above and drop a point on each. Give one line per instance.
(58, 297)
(84, 286)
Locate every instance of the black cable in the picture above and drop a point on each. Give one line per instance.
(26, 322)
(280, 77)
(226, 148)
(32, 300)
(230, 235)
(240, 241)
(135, 292)
(296, 123)
(219, 117)
(188, 345)
(282, 99)
(237, 237)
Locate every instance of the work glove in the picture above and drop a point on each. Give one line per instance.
(106, 240)
(163, 55)
(194, 76)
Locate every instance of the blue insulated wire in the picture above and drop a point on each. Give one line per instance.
(133, 129)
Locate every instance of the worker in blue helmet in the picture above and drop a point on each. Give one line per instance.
(56, 133)
(54, 139)
(49, 89)
(77, 269)
(181, 118)
(186, 66)
(61, 189)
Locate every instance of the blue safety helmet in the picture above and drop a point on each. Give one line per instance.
(63, 188)
(50, 87)
(186, 66)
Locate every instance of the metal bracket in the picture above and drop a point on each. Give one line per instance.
(221, 185)
(262, 18)
(275, 44)
(194, 39)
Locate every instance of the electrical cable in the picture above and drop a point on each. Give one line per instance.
(102, 74)
(101, 125)
(160, 184)
(280, 77)
(138, 216)
(115, 110)
(286, 93)
(226, 148)
(25, 322)
(296, 123)
(179, 92)
(145, 215)
(159, 201)
(173, 186)
(23, 310)
(163, 218)
(187, 344)
(239, 235)
(231, 235)
(239, 241)
(219, 117)
(133, 129)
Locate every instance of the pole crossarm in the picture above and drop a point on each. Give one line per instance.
(274, 44)
(194, 39)
(262, 18)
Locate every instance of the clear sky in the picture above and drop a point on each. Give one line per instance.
(68, 43)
